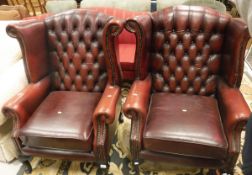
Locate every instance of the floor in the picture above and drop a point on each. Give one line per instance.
(11, 168)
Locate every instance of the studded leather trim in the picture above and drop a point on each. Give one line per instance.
(100, 150)
(135, 137)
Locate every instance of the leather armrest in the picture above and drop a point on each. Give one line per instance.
(104, 114)
(106, 108)
(21, 106)
(141, 26)
(136, 108)
(137, 102)
(234, 112)
(32, 39)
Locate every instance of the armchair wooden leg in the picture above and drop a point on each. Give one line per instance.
(26, 163)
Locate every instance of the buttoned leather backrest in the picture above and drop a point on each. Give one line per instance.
(75, 50)
(186, 51)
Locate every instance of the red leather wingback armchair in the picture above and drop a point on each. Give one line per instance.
(189, 109)
(74, 78)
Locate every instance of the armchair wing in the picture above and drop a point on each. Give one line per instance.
(105, 111)
(141, 27)
(137, 102)
(31, 36)
(234, 51)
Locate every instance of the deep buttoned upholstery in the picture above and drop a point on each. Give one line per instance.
(76, 53)
(186, 51)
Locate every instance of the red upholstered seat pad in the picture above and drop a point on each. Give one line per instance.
(183, 124)
(127, 40)
(127, 55)
(63, 120)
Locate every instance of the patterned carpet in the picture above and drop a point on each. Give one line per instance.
(119, 165)
(119, 152)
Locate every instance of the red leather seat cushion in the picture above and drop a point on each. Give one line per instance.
(188, 125)
(62, 121)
